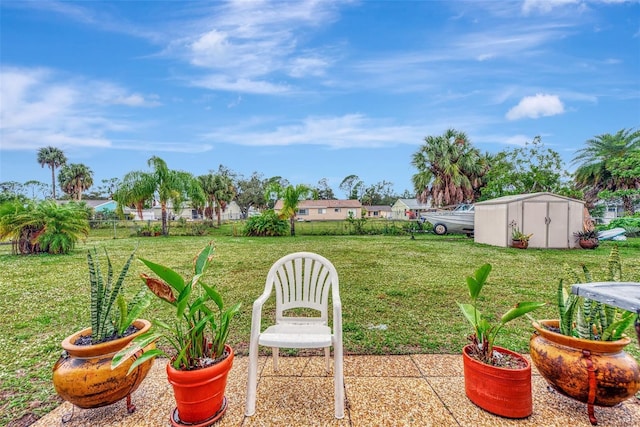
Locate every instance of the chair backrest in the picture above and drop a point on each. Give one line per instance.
(302, 280)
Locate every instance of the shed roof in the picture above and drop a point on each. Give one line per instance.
(414, 204)
(519, 197)
(381, 208)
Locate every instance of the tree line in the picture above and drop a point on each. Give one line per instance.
(450, 170)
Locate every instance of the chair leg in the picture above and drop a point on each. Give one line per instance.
(338, 380)
(327, 356)
(275, 351)
(252, 382)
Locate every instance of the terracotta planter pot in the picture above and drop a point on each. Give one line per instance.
(593, 372)
(501, 391)
(84, 376)
(588, 243)
(520, 244)
(199, 393)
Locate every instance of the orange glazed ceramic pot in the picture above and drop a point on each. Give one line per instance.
(501, 391)
(199, 393)
(592, 372)
(83, 376)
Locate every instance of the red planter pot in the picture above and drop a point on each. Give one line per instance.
(501, 391)
(199, 393)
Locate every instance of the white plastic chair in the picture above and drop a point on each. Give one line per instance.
(301, 280)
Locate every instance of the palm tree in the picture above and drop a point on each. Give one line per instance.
(44, 226)
(136, 189)
(54, 158)
(599, 163)
(75, 179)
(291, 196)
(219, 191)
(449, 169)
(171, 185)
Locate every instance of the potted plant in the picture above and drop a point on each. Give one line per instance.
(518, 238)
(587, 239)
(198, 369)
(83, 374)
(581, 354)
(496, 379)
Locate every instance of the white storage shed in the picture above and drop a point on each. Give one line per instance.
(551, 218)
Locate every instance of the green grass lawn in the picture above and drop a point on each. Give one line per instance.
(411, 286)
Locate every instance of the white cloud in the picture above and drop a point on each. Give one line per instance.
(245, 44)
(40, 108)
(308, 66)
(536, 106)
(544, 6)
(242, 85)
(347, 131)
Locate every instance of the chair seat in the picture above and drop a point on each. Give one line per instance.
(288, 335)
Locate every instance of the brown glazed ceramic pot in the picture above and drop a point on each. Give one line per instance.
(592, 372)
(83, 375)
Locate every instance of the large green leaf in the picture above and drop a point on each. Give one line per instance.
(520, 309)
(134, 346)
(149, 354)
(172, 278)
(204, 258)
(214, 295)
(476, 283)
(470, 313)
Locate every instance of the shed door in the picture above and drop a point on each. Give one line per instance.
(557, 231)
(548, 221)
(534, 216)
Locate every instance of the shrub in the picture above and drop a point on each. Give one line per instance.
(630, 223)
(266, 224)
(44, 226)
(199, 228)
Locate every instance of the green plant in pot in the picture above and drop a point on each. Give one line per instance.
(83, 375)
(519, 239)
(587, 238)
(496, 379)
(198, 369)
(581, 354)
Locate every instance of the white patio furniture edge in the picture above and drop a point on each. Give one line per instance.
(301, 280)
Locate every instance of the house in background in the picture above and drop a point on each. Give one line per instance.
(378, 211)
(232, 212)
(406, 209)
(98, 206)
(615, 210)
(325, 210)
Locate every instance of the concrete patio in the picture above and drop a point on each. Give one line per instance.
(415, 390)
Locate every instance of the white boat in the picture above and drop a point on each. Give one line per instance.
(613, 234)
(458, 220)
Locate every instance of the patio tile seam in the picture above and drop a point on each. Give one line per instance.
(442, 402)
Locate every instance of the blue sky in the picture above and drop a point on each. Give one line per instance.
(307, 89)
